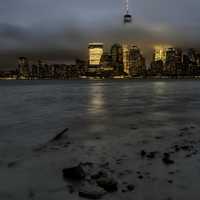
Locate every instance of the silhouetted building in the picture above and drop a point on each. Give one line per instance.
(173, 65)
(23, 68)
(82, 67)
(117, 58)
(106, 67)
(137, 65)
(156, 68)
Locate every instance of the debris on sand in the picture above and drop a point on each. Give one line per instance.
(12, 164)
(74, 173)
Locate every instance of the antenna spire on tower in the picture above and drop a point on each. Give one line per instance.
(127, 16)
(127, 10)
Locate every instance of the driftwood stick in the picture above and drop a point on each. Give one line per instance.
(59, 135)
(54, 139)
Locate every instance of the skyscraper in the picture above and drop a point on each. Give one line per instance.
(173, 60)
(117, 53)
(23, 67)
(95, 53)
(136, 62)
(117, 58)
(126, 51)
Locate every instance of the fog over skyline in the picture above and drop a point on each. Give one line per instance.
(60, 31)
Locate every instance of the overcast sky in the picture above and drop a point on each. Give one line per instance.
(59, 30)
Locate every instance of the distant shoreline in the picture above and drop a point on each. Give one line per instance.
(98, 78)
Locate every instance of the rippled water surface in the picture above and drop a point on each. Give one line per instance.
(30, 110)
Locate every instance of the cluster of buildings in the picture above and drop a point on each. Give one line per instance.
(128, 61)
(42, 70)
(121, 61)
(175, 62)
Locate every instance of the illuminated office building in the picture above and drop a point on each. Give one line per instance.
(126, 51)
(160, 54)
(95, 53)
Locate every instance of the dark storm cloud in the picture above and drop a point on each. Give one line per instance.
(60, 30)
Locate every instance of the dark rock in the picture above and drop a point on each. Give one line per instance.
(31, 194)
(100, 174)
(140, 177)
(118, 161)
(120, 174)
(130, 187)
(158, 137)
(74, 173)
(90, 164)
(166, 159)
(186, 147)
(105, 165)
(176, 148)
(112, 171)
(184, 129)
(108, 184)
(91, 192)
(143, 153)
(71, 189)
(170, 181)
(134, 127)
(151, 155)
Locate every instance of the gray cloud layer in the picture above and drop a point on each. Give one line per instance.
(60, 30)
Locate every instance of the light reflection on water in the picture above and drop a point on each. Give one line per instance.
(96, 100)
(159, 88)
(33, 110)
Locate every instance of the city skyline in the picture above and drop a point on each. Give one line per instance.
(28, 29)
(121, 61)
